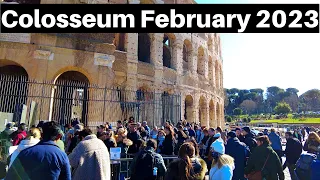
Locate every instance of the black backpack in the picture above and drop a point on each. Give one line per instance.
(143, 169)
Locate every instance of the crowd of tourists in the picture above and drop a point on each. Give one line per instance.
(49, 151)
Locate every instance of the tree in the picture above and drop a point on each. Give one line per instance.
(282, 108)
(311, 99)
(249, 106)
(226, 98)
(293, 101)
(237, 111)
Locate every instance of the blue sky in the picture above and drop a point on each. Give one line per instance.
(263, 60)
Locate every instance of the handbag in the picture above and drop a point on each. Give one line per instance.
(257, 175)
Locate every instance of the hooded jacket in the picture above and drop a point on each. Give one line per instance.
(224, 173)
(23, 145)
(250, 141)
(275, 141)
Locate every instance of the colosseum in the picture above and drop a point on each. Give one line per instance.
(100, 78)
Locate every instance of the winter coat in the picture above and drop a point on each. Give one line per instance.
(110, 143)
(199, 169)
(134, 137)
(23, 145)
(168, 146)
(275, 141)
(19, 137)
(250, 141)
(273, 167)
(42, 161)
(237, 150)
(91, 160)
(293, 150)
(224, 173)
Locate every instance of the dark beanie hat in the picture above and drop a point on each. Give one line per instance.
(232, 134)
(246, 129)
(238, 129)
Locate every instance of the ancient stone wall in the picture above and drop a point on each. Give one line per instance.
(181, 63)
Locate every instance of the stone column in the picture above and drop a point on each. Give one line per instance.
(177, 56)
(132, 61)
(196, 108)
(183, 99)
(193, 62)
(206, 67)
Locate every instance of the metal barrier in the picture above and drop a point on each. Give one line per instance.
(72, 97)
(120, 167)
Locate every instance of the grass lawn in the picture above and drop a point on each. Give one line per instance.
(290, 121)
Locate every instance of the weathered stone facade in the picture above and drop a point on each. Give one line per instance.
(189, 64)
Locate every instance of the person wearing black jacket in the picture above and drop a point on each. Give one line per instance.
(292, 152)
(134, 137)
(168, 144)
(240, 152)
(249, 138)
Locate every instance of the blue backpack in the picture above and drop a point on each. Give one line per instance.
(303, 166)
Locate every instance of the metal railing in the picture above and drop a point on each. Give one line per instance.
(120, 167)
(22, 99)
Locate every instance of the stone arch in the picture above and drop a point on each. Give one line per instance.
(168, 40)
(70, 97)
(188, 109)
(211, 113)
(120, 41)
(144, 44)
(203, 111)
(218, 115)
(201, 61)
(13, 88)
(210, 66)
(187, 54)
(217, 73)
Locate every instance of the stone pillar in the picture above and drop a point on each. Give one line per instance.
(132, 61)
(194, 61)
(206, 67)
(196, 109)
(183, 100)
(207, 111)
(177, 56)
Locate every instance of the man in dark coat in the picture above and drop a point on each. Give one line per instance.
(292, 152)
(44, 160)
(134, 137)
(249, 138)
(239, 134)
(239, 151)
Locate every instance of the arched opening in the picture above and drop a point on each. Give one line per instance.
(13, 89)
(144, 105)
(167, 106)
(186, 52)
(202, 111)
(200, 62)
(218, 115)
(217, 78)
(120, 41)
(144, 47)
(70, 98)
(211, 113)
(210, 66)
(188, 109)
(167, 50)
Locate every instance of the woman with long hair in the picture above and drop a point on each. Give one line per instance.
(312, 145)
(222, 164)
(187, 167)
(168, 144)
(265, 160)
(197, 158)
(223, 134)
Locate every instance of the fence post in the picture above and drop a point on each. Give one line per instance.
(104, 103)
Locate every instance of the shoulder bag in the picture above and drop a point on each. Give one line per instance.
(257, 175)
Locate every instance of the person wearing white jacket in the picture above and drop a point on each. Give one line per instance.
(33, 137)
(222, 164)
